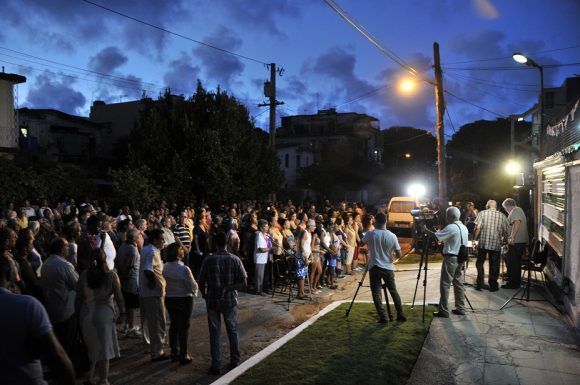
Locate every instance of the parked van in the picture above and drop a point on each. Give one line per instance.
(399, 212)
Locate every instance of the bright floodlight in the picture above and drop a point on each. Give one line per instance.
(416, 190)
(512, 167)
(520, 58)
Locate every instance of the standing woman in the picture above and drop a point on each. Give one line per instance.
(96, 290)
(261, 255)
(23, 249)
(290, 248)
(179, 293)
(351, 237)
(315, 263)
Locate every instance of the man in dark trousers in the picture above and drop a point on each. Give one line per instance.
(222, 275)
(381, 245)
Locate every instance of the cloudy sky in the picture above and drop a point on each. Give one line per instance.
(74, 53)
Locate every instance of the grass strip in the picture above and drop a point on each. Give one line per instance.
(340, 350)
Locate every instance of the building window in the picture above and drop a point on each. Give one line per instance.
(286, 160)
(297, 161)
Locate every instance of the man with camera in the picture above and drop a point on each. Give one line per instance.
(454, 235)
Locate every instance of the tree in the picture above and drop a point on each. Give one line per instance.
(477, 153)
(206, 146)
(134, 186)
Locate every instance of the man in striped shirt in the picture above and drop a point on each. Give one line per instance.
(181, 233)
(492, 227)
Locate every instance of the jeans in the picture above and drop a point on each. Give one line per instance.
(179, 309)
(494, 256)
(514, 264)
(451, 272)
(214, 322)
(377, 275)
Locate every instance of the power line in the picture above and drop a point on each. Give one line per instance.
(473, 104)
(511, 68)
(175, 33)
(362, 96)
(450, 120)
(492, 84)
(408, 139)
(374, 41)
(510, 57)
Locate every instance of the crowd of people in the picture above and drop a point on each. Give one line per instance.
(89, 269)
(86, 270)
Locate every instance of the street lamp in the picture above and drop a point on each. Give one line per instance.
(523, 59)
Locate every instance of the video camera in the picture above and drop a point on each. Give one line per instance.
(423, 216)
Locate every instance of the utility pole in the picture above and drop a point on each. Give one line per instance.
(440, 105)
(270, 92)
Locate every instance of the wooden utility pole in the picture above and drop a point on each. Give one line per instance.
(270, 92)
(440, 105)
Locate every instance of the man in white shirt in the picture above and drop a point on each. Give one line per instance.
(381, 245)
(261, 255)
(151, 295)
(452, 236)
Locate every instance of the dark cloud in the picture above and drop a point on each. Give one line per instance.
(107, 60)
(182, 75)
(292, 88)
(218, 66)
(73, 20)
(262, 14)
(50, 93)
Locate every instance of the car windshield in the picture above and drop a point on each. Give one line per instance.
(402, 207)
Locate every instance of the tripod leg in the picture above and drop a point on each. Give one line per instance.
(424, 255)
(387, 302)
(468, 301)
(357, 289)
(514, 296)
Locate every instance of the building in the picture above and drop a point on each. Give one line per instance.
(306, 140)
(8, 114)
(60, 137)
(557, 196)
(120, 119)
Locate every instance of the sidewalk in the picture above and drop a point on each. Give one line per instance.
(525, 343)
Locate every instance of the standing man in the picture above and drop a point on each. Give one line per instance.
(262, 251)
(517, 241)
(151, 295)
(452, 236)
(59, 283)
(127, 265)
(491, 228)
(222, 274)
(381, 245)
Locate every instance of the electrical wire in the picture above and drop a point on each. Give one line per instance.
(492, 84)
(473, 104)
(408, 139)
(518, 68)
(175, 33)
(373, 40)
(450, 120)
(510, 57)
(364, 95)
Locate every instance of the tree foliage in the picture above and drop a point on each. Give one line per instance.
(206, 146)
(134, 186)
(477, 153)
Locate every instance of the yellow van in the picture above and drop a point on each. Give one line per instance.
(399, 212)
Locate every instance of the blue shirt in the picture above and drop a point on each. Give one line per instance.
(22, 319)
(381, 244)
(451, 237)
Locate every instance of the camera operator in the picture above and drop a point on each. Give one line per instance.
(451, 236)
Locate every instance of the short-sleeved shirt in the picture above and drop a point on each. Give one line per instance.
(219, 270)
(179, 280)
(517, 214)
(261, 243)
(59, 284)
(493, 225)
(23, 318)
(151, 261)
(127, 265)
(381, 244)
(451, 235)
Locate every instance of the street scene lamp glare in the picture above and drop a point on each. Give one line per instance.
(407, 155)
(407, 86)
(512, 167)
(416, 190)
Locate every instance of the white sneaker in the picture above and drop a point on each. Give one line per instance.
(133, 333)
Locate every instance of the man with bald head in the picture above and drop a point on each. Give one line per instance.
(454, 235)
(491, 228)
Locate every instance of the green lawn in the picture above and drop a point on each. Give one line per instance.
(340, 350)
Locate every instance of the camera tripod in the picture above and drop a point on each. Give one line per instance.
(360, 284)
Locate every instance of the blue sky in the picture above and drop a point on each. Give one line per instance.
(65, 47)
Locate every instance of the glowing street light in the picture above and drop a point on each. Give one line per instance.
(407, 155)
(416, 190)
(512, 167)
(407, 86)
